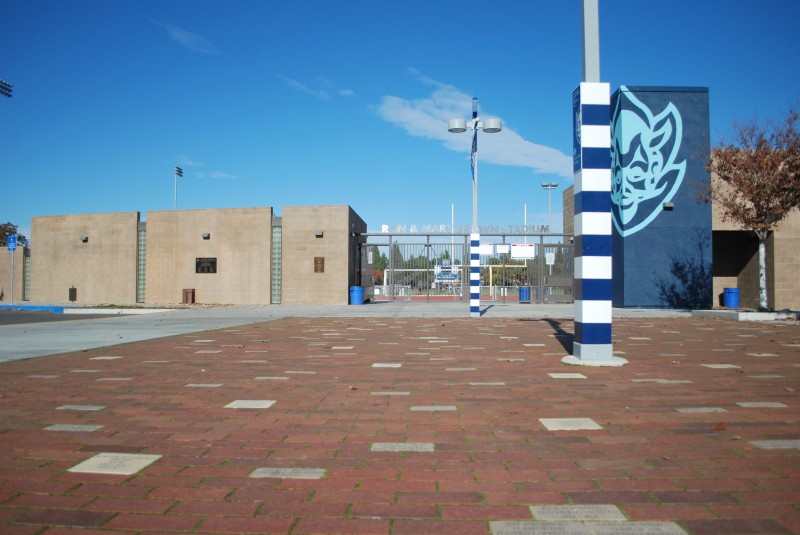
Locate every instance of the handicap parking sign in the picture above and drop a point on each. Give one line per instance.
(12, 243)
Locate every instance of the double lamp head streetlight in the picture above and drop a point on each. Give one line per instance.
(489, 126)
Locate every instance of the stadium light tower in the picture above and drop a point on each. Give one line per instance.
(549, 186)
(178, 172)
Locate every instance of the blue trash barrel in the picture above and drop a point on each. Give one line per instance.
(731, 297)
(356, 295)
(524, 294)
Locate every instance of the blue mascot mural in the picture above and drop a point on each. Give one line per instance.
(643, 161)
(662, 229)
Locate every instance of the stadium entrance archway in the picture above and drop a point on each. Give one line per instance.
(435, 267)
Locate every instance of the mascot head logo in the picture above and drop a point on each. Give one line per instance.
(644, 148)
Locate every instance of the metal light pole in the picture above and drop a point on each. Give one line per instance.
(178, 172)
(549, 186)
(11, 241)
(490, 126)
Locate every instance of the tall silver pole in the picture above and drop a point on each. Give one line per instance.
(475, 196)
(178, 172)
(475, 165)
(452, 236)
(12, 278)
(591, 41)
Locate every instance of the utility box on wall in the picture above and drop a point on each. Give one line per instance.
(661, 241)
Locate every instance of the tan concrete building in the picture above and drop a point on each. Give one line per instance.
(84, 258)
(222, 256)
(319, 254)
(237, 256)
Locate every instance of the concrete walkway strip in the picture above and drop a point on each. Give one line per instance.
(115, 463)
(73, 427)
(569, 424)
(288, 473)
(522, 527)
(594, 513)
(251, 404)
(776, 444)
(762, 404)
(80, 408)
(111, 379)
(701, 410)
(403, 446)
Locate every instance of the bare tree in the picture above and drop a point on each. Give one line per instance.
(758, 180)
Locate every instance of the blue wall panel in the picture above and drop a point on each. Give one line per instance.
(660, 146)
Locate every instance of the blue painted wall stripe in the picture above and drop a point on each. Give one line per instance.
(596, 158)
(596, 114)
(592, 201)
(593, 333)
(592, 245)
(592, 289)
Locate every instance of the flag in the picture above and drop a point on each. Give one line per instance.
(473, 160)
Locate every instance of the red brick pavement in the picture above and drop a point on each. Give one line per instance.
(493, 457)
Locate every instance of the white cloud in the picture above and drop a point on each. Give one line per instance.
(185, 161)
(216, 175)
(189, 40)
(327, 87)
(221, 175)
(427, 117)
(297, 86)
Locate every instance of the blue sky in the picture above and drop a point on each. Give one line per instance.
(267, 103)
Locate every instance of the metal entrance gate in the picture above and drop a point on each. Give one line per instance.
(435, 267)
(431, 268)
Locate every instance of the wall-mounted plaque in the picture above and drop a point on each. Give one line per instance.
(205, 265)
(319, 264)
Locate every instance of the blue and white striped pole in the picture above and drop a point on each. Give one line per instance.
(474, 275)
(474, 237)
(591, 165)
(592, 172)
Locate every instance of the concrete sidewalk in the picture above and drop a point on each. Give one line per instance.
(406, 425)
(35, 340)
